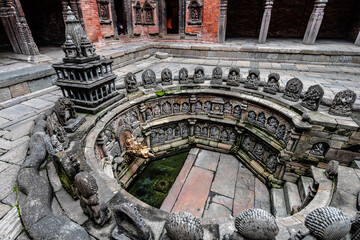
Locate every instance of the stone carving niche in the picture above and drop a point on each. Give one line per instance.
(137, 13)
(195, 13)
(104, 11)
(148, 11)
(65, 112)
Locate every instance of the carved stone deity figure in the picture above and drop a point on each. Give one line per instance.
(166, 108)
(224, 137)
(197, 130)
(198, 107)
(183, 76)
(185, 107)
(169, 134)
(293, 90)
(166, 77)
(248, 143)
(214, 132)
(261, 119)
(185, 131)
(271, 163)
(153, 138)
(237, 111)
(56, 132)
(176, 107)
(157, 111)
(272, 86)
(232, 137)
(183, 226)
(253, 79)
(204, 132)
(259, 150)
(134, 148)
(149, 114)
(67, 117)
(281, 132)
(87, 191)
(272, 124)
(227, 108)
(233, 77)
(318, 149)
(312, 97)
(207, 107)
(199, 75)
(342, 103)
(161, 136)
(252, 117)
(195, 12)
(148, 79)
(177, 132)
(131, 84)
(148, 10)
(217, 76)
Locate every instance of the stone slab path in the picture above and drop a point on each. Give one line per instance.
(215, 185)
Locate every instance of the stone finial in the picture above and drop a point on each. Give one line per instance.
(332, 169)
(312, 97)
(129, 223)
(293, 90)
(342, 103)
(184, 226)
(256, 224)
(87, 191)
(328, 223)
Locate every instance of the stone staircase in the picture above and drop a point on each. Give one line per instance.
(291, 195)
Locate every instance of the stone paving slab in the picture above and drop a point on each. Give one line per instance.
(16, 112)
(37, 103)
(15, 155)
(225, 177)
(10, 225)
(244, 192)
(217, 211)
(199, 182)
(71, 207)
(225, 201)
(278, 203)
(7, 180)
(4, 209)
(207, 160)
(262, 197)
(18, 130)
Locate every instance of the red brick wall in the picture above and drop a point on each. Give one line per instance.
(290, 18)
(244, 18)
(337, 20)
(91, 20)
(211, 11)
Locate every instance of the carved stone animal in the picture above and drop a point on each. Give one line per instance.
(332, 169)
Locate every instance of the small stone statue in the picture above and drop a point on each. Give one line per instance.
(87, 191)
(224, 137)
(214, 132)
(207, 107)
(312, 97)
(185, 131)
(166, 77)
(199, 75)
(129, 223)
(256, 224)
(271, 163)
(318, 149)
(169, 134)
(233, 77)
(261, 119)
(166, 108)
(65, 112)
(176, 107)
(272, 124)
(204, 132)
(272, 86)
(183, 76)
(153, 138)
(259, 150)
(232, 137)
(293, 90)
(197, 130)
(55, 129)
(185, 107)
(252, 117)
(149, 114)
(183, 226)
(131, 84)
(161, 136)
(198, 107)
(342, 103)
(148, 79)
(177, 132)
(328, 223)
(227, 108)
(217, 76)
(332, 169)
(281, 132)
(253, 79)
(157, 111)
(237, 111)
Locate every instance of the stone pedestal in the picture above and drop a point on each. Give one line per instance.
(265, 21)
(315, 20)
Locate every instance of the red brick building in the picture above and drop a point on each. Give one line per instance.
(28, 24)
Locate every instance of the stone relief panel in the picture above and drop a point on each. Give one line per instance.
(293, 90)
(253, 79)
(166, 108)
(261, 119)
(199, 75)
(198, 107)
(104, 11)
(195, 13)
(272, 124)
(166, 77)
(214, 132)
(137, 13)
(148, 11)
(227, 108)
(183, 76)
(207, 107)
(176, 107)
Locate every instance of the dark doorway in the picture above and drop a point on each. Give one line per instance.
(290, 18)
(121, 23)
(340, 18)
(5, 44)
(45, 21)
(172, 16)
(244, 18)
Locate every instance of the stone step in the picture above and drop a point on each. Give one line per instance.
(292, 196)
(10, 225)
(278, 206)
(303, 186)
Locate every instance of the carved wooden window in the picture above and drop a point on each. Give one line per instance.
(195, 13)
(137, 12)
(148, 11)
(104, 11)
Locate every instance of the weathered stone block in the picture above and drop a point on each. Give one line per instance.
(19, 89)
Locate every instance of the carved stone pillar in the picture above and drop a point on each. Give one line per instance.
(294, 139)
(182, 19)
(192, 123)
(16, 27)
(192, 103)
(315, 20)
(357, 41)
(142, 109)
(222, 21)
(244, 107)
(265, 21)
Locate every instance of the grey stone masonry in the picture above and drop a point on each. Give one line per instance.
(292, 196)
(278, 202)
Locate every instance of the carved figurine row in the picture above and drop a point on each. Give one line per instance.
(171, 133)
(311, 99)
(215, 133)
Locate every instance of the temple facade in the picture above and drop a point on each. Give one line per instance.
(29, 24)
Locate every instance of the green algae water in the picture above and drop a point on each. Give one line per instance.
(154, 183)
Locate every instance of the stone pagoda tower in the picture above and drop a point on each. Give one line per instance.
(84, 78)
